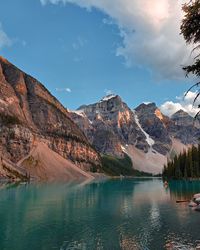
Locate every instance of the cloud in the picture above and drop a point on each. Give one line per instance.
(149, 31)
(68, 90)
(185, 103)
(4, 39)
(108, 92)
(79, 43)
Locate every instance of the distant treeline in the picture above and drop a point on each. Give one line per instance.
(186, 165)
(114, 166)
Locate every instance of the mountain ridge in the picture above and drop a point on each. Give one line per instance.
(151, 133)
(29, 113)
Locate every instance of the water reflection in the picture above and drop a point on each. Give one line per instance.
(183, 190)
(126, 214)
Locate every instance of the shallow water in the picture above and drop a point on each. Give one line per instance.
(114, 214)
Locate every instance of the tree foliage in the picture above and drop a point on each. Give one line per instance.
(114, 166)
(186, 165)
(190, 29)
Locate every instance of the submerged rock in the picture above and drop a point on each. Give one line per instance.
(196, 196)
(192, 204)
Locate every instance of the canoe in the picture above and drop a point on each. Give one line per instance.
(182, 201)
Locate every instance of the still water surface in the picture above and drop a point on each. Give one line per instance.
(114, 214)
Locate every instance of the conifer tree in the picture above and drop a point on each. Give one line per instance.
(186, 165)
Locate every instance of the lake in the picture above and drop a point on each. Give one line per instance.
(112, 214)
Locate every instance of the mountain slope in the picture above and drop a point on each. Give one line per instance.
(45, 164)
(154, 124)
(29, 113)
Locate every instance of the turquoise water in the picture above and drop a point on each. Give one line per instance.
(115, 214)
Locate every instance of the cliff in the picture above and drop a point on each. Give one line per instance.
(29, 114)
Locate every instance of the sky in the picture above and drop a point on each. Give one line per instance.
(82, 50)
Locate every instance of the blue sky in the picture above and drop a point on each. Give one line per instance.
(81, 50)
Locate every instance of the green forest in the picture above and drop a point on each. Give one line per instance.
(114, 166)
(184, 166)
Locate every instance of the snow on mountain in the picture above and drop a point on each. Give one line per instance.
(124, 149)
(149, 140)
(147, 103)
(79, 112)
(107, 97)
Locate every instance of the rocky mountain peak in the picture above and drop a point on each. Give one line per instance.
(184, 127)
(182, 118)
(147, 107)
(113, 102)
(150, 111)
(109, 97)
(180, 113)
(110, 104)
(110, 120)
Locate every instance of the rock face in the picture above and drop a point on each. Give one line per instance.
(148, 136)
(110, 124)
(155, 124)
(184, 127)
(29, 113)
(182, 118)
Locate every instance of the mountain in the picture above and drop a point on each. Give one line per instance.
(182, 118)
(31, 116)
(185, 128)
(41, 139)
(145, 134)
(154, 124)
(109, 125)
